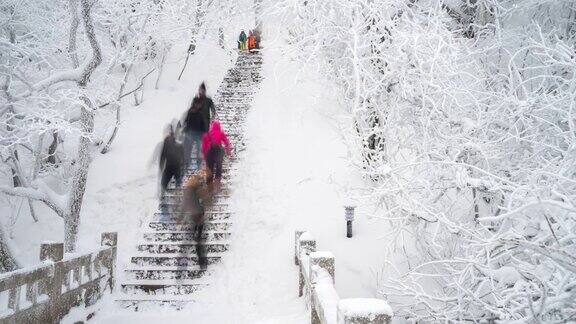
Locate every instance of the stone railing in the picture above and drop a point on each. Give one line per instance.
(47, 292)
(317, 270)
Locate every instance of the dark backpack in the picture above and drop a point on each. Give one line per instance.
(195, 118)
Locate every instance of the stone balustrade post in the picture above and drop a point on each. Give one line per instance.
(52, 251)
(297, 245)
(307, 244)
(53, 286)
(324, 260)
(109, 239)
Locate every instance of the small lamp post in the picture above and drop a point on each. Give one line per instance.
(349, 215)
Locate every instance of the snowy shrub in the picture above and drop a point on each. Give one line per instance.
(464, 126)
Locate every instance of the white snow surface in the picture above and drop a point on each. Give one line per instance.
(322, 254)
(364, 307)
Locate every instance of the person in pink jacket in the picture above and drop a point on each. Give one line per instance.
(214, 144)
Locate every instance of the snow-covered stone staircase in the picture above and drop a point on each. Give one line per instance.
(165, 271)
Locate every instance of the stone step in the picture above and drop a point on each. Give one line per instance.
(208, 216)
(245, 63)
(183, 247)
(224, 191)
(233, 121)
(247, 67)
(228, 92)
(241, 63)
(225, 183)
(237, 75)
(225, 173)
(239, 107)
(170, 194)
(240, 76)
(179, 236)
(164, 273)
(176, 197)
(164, 287)
(186, 226)
(245, 80)
(225, 167)
(173, 204)
(171, 260)
(228, 100)
(244, 60)
(247, 83)
(160, 302)
(234, 106)
(173, 199)
(240, 88)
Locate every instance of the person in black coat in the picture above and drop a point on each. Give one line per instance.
(196, 123)
(242, 41)
(171, 160)
(170, 167)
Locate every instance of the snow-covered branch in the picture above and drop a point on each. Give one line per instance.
(35, 194)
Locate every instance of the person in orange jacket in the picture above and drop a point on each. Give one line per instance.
(251, 41)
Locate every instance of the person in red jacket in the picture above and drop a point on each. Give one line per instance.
(251, 41)
(214, 144)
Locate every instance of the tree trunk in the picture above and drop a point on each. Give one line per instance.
(191, 50)
(76, 195)
(32, 211)
(118, 110)
(73, 7)
(161, 68)
(195, 30)
(72, 219)
(52, 149)
(221, 37)
(7, 260)
(136, 101)
(106, 148)
(18, 181)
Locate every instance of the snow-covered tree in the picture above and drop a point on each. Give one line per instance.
(43, 96)
(66, 69)
(464, 127)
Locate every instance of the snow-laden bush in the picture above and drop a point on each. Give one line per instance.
(465, 125)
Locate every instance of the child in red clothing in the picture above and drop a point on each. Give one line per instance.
(214, 144)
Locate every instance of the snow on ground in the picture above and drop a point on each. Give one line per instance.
(290, 177)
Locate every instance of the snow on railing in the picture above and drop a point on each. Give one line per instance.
(46, 292)
(317, 284)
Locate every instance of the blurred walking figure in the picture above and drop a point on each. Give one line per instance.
(214, 144)
(196, 123)
(251, 41)
(171, 163)
(242, 41)
(197, 197)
